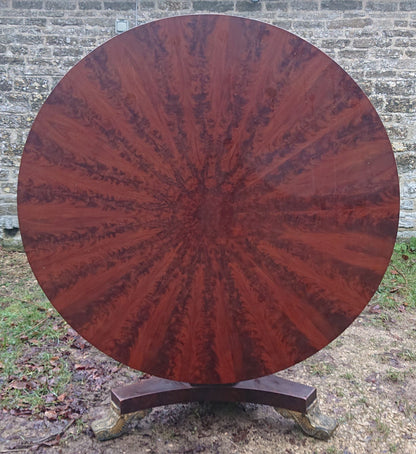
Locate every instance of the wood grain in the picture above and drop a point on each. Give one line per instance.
(208, 199)
(270, 390)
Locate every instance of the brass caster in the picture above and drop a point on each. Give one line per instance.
(114, 424)
(313, 422)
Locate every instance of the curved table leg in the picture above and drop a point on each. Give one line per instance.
(115, 424)
(313, 422)
(291, 399)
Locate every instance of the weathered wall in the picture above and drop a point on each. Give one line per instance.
(374, 40)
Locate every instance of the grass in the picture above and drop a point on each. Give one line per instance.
(321, 369)
(407, 355)
(395, 376)
(398, 287)
(382, 427)
(32, 375)
(348, 376)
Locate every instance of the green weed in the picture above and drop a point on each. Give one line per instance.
(30, 374)
(395, 376)
(321, 369)
(398, 287)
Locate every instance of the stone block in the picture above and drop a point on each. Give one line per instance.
(11, 240)
(31, 39)
(406, 163)
(408, 5)
(147, 4)
(61, 4)
(174, 5)
(385, 6)
(11, 20)
(396, 87)
(30, 84)
(407, 219)
(68, 52)
(409, 188)
(304, 5)
(360, 54)
(407, 204)
(335, 43)
(394, 32)
(67, 21)
(389, 53)
(305, 24)
(5, 84)
(9, 221)
(90, 5)
(277, 6)
(53, 13)
(356, 22)
(35, 22)
(18, 49)
(120, 6)
(27, 4)
(8, 210)
(364, 43)
(405, 42)
(380, 74)
(16, 121)
(247, 6)
(214, 6)
(9, 233)
(341, 5)
(397, 132)
(284, 24)
(60, 40)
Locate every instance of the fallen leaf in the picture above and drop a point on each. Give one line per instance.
(51, 415)
(50, 398)
(16, 384)
(376, 309)
(79, 343)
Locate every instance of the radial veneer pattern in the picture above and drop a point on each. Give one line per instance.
(208, 199)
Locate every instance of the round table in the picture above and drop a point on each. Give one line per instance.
(208, 199)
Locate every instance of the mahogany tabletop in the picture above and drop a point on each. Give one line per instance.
(208, 199)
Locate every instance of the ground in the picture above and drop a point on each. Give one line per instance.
(54, 385)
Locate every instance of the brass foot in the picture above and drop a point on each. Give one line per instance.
(313, 422)
(114, 424)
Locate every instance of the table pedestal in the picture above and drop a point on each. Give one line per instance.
(290, 399)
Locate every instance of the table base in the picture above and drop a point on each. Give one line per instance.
(290, 399)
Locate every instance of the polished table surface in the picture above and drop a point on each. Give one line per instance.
(208, 199)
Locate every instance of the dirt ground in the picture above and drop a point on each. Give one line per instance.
(366, 379)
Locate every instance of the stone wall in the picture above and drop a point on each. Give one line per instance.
(373, 40)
